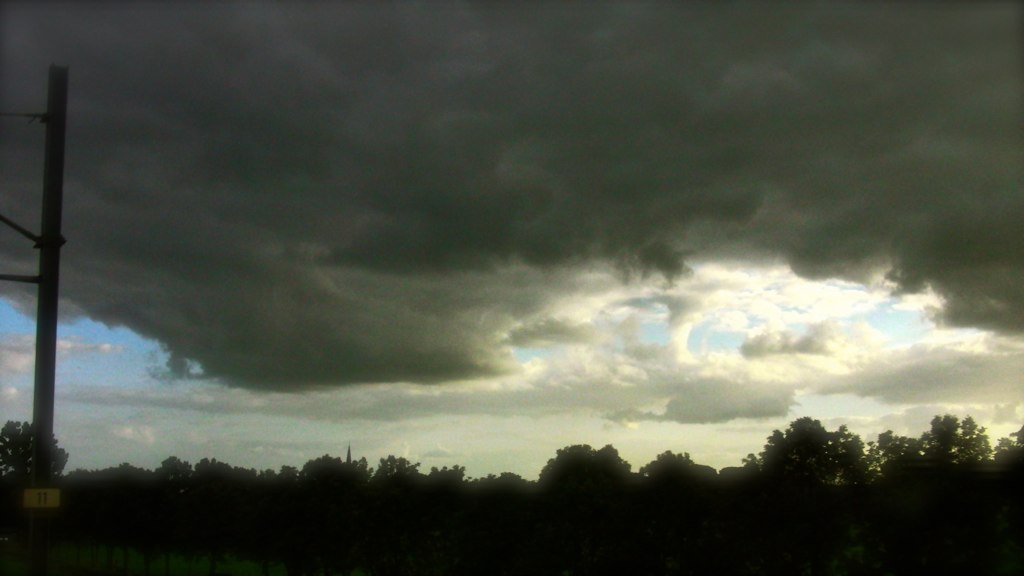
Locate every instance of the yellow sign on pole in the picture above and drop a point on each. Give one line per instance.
(42, 498)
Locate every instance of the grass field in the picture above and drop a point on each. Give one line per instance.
(72, 560)
(75, 560)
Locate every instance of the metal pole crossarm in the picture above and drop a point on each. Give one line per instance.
(20, 278)
(50, 242)
(20, 229)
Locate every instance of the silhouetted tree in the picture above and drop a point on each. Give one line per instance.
(803, 506)
(804, 468)
(16, 439)
(214, 502)
(584, 492)
(936, 510)
(807, 453)
(333, 492)
(393, 523)
(115, 506)
(1010, 450)
(139, 506)
(499, 525)
(285, 503)
(396, 470)
(1009, 458)
(674, 509)
(892, 453)
(442, 502)
(671, 468)
(951, 441)
(580, 468)
(174, 477)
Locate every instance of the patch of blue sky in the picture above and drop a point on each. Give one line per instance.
(901, 327)
(14, 322)
(84, 330)
(704, 338)
(92, 332)
(524, 355)
(108, 355)
(116, 367)
(655, 333)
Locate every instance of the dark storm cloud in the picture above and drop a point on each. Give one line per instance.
(359, 193)
(549, 331)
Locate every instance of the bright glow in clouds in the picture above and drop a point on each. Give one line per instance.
(709, 364)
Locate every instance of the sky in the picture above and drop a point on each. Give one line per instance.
(475, 233)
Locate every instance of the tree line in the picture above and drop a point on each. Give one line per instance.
(813, 501)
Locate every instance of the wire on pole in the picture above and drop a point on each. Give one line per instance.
(32, 116)
(19, 229)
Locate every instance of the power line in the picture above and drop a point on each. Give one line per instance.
(43, 117)
(19, 229)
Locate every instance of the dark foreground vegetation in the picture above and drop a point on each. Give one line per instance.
(814, 501)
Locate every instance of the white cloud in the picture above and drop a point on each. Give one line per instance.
(822, 339)
(608, 369)
(581, 387)
(17, 354)
(142, 434)
(440, 452)
(77, 346)
(980, 369)
(1009, 413)
(18, 351)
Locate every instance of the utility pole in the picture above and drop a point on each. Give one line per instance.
(48, 242)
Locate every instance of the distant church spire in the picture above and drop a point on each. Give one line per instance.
(348, 456)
